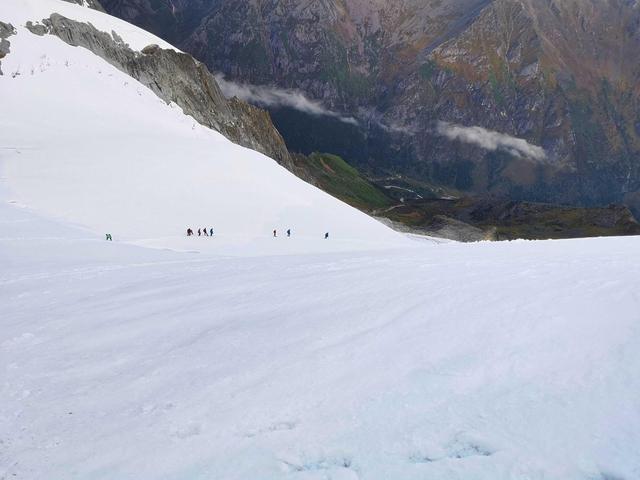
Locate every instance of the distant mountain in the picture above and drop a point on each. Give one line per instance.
(528, 99)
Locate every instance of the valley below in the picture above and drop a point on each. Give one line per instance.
(426, 209)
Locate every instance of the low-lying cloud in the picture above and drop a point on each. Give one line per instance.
(491, 140)
(396, 128)
(374, 118)
(278, 97)
(268, 96)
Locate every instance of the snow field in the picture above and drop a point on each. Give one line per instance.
(484, 361)
(369, 356)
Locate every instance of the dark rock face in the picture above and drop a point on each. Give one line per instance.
(558, 74)
(6, 30)
(176, 77)
(174, 20)
(95, 4)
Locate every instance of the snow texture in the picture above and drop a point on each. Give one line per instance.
(366, 356)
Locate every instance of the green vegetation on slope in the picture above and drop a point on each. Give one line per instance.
(333, 175)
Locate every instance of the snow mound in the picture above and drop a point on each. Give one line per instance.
(87, 144)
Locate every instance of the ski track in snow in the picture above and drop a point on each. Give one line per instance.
(368, 356)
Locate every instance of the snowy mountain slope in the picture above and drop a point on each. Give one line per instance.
(87, 144)
(424, 361)
(454, 361)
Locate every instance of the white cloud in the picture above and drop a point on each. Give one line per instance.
(374, 118)
(278, 97)
(491, 140)
(268, 96)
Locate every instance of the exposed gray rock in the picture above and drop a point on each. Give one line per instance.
(444, 227)
(95, 4)
(37, 28)
(176, 77)
(6, 30)
(150, 49)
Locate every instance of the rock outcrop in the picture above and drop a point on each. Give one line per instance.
(6, 30)
(176, 77)
(94, 4)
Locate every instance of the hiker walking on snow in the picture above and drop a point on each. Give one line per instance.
(326, 235)
(274, 233)
(189, 232)
(289, 233)
(199, 232)
(211, 232)
(205, 232)
(108, 237)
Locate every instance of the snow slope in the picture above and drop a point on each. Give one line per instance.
(452, 361)
(364, 357)
(87, 144)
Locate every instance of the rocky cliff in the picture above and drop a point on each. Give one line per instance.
(94, 4)
(532, 99)
(176, 77)
(6, 30)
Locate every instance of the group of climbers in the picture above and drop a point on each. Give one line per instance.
(275, 234)
(201, 232)
(209, 233)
